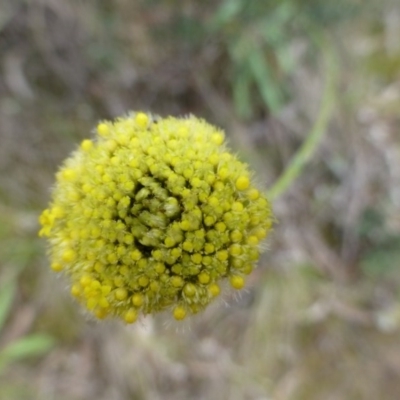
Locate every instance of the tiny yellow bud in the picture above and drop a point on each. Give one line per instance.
(159, 268)
(91, 303)
(222, 255)
(105, 289)
(130, 316)
(169, 242)
(185, 225)
(214, 290)
(112, 258)
(121, 294)
(237, 206)
(137, 299)
(242, 183)
(236, 281)
(86, 145)
(204, 277)
(209, 248)
(252, 240)
(69, 255)
(187, 246)
(220, 227)
(217, 138)
(128, 239)
(69, 174)
(103, 302)
(58, 212)
(260, 233)
(236, 236)
(101, 313)
(209, 220)
(75, 290)
(179, 313)
(247, 269)
(143, 281)
(98, 267)
(253, 194)
(196, 258)
(119, 281)
(189, 290)
(95, 285)
(57, 267)
(103, 129)
(124, 270)
(142, 120)
(177, 281)
(223, 173)
(136, 255)
(154, 286)
(85, 280)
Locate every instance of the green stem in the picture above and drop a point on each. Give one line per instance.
(304, 154)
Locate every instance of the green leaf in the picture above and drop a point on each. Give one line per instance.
(382, 259)
(269, 90)
(227, 12)
(241, 95)
(29, 346)
(7, 294)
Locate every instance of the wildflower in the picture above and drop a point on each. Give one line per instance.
(154, 214)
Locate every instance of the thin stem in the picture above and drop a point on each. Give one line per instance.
(309, 146)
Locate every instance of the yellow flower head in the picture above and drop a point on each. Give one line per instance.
(154, 214)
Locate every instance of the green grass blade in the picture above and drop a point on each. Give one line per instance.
(242, 96)
(7, 294)
(263, 76)
(227, 13)
(29, 346)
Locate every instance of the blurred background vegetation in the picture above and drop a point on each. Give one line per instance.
(309, 93)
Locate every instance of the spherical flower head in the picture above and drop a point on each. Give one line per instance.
(154, 214)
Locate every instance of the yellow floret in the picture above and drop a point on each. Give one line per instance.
(242, 183)
(137, 299)
(69, 255)
(253, 194)
(222, 255)
(214, 290)
(143, 281)
(101, 313)
(69, 174)
(103, 129)
(179, 313)
(91, 303)
(189, 289)
(105, 289)
(177, 281)
(196, 258)
(86, 145)
(136, 255)
(104, 303)
(130, 316)
(217, 138)
(121, 294)
(204, 277)
(75, 290)
(55, 266)
(252, 240)
(85, 280)
(142, 120)
(237, 282)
